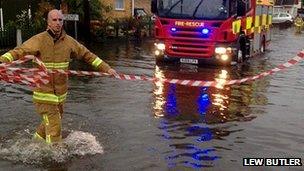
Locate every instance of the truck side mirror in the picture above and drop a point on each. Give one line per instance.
(154, 6)
(241, 8)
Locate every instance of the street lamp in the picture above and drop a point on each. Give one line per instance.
(1, 16)
(29, 9)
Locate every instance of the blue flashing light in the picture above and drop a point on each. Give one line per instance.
(205, 31)
(173, 29)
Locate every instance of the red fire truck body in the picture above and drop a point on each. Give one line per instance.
(211, 31)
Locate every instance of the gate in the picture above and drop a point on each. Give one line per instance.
(7, 38)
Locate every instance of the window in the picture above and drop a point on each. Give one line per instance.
(248, 5)
(119, 5)
(283, 15)
(233, 8)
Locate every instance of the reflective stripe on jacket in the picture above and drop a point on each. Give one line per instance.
(58, 65)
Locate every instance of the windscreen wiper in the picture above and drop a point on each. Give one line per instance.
(196, 8)
(174, 5)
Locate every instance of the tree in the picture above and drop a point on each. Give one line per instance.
(41, 15)
(96, 8)
(87, 10)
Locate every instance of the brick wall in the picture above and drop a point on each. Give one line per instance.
(145, 4)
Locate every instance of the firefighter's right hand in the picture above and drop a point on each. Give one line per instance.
(112, 72)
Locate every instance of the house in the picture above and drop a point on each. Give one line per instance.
(120, 8)
(289, 6)
(125, 8)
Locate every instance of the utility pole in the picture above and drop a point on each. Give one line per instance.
(132, 8)
(86, 10)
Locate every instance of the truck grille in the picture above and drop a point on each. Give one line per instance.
(190, 42)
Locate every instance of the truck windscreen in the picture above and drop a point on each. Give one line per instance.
(194, 9)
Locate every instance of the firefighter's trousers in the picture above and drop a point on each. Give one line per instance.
(50, 128)
(298, 28)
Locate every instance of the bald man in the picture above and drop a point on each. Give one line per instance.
(55, 49)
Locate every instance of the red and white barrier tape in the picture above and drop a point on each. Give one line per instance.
(33, 78)
(40, 76)
(199, 83)
(20, 79)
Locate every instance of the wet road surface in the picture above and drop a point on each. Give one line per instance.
(136, 125)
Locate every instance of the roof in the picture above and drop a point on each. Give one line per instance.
(286, 2)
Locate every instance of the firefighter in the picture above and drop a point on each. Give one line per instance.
(298, 22)
(54, 48)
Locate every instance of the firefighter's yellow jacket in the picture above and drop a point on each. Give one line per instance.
(55, 54)
(298, 22)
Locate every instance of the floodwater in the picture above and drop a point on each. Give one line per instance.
(113, 124)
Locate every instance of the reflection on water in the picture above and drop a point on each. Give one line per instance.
(190, 116)
(158, 92)
(187, 153)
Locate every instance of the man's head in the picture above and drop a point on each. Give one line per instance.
(55, 21)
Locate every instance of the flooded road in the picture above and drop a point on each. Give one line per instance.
(136, 125)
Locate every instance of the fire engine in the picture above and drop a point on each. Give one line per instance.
(211, 31)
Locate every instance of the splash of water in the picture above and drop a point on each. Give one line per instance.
(82, 143)
(33, 152)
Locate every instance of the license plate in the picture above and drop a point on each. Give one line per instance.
(189, 61)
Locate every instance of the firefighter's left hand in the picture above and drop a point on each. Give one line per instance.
(112, 72)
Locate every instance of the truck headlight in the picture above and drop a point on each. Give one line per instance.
(220, 50)
(160, 46)
(224, 57)
(157, 52)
